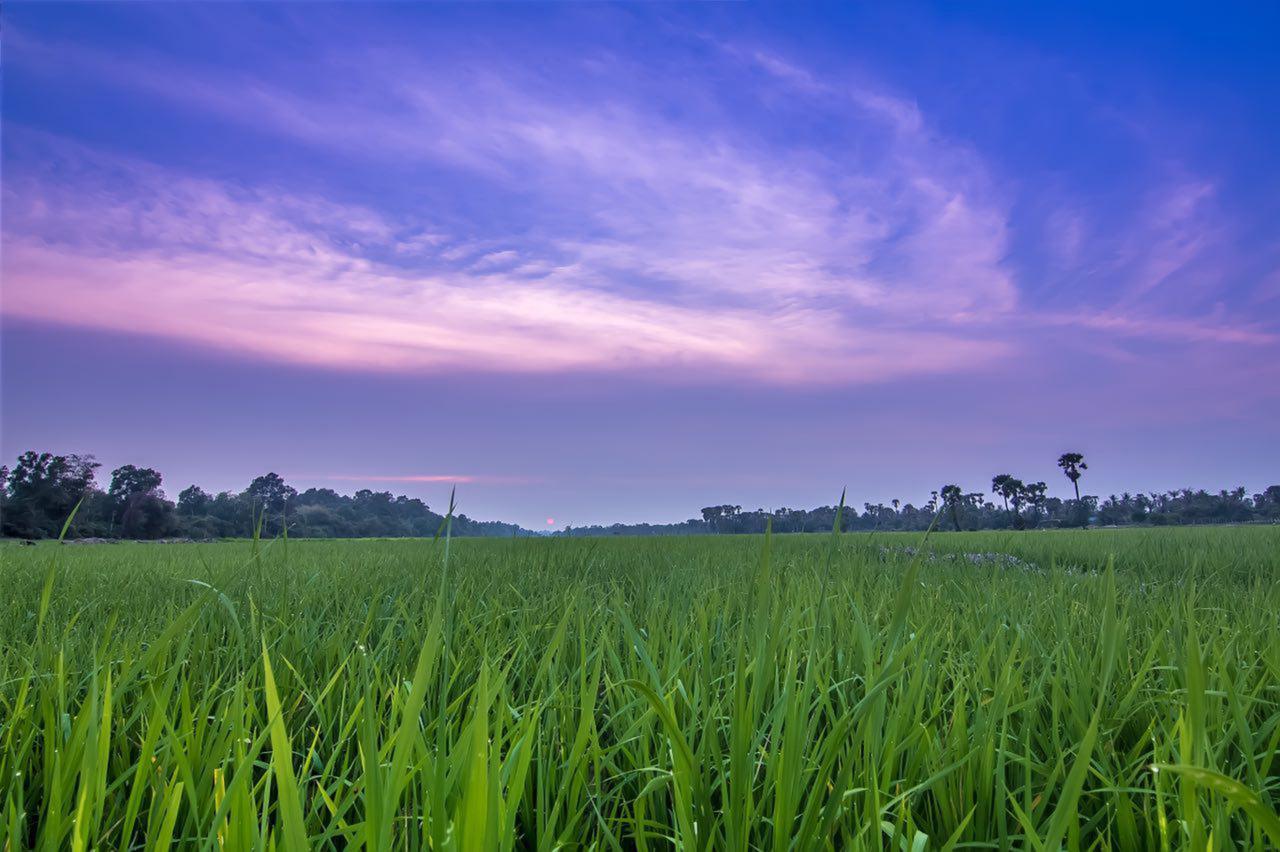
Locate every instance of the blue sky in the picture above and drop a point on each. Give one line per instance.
(618, 262)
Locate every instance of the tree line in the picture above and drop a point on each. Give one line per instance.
(1021, 505)
(41, 490)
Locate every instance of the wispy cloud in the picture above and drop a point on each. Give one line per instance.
(610, 236)
(413, 478)
(422, 478)
(425, 477)
(697, 253)
(1209, 330)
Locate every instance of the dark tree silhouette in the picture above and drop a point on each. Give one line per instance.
(721, 519)
(193, 500)
(1072, 464)
(271, 499)
(1010, 490)
(138, 504)
(1017, 492)
(1002, 485)
(1035, 496)
(271, 492)
(952, 496)
(42, 489)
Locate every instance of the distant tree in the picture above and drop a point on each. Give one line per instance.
(952, 497)
(42, 489)
(193, 501)
(722, 519)
(1272, 494)
(984, 511)
(1268, 502)
(326, 497)
(1009, 490)
(269, 497)
(129, 479)
(711, 517)
(1000, 486)
(270, 492)
(1017, 493)
(1035, 495)
(138, 505)
(232, 514)
(1072, 464)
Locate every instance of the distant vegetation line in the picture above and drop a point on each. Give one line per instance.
(42, 489)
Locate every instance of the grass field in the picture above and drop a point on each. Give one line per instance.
(1006, 691)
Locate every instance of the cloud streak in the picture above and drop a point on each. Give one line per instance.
(702, 256)
(609, 237)
(416, 478)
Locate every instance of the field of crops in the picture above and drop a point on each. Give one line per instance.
(1076, 689)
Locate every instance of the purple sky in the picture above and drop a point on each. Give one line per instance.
(606, 263)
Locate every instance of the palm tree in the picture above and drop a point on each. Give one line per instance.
(951, 497)
(1000, 486)
(1017, 491)
(1072, 464)
(1009, 489)
(1035, 495)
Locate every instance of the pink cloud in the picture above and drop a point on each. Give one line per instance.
(296, 279)
(1168, 328)
(712, 212)
(707, 256)
(425, 477)
(420, 478)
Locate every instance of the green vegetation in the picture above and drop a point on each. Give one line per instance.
(41, 489)
(989, 690)
(38, 494)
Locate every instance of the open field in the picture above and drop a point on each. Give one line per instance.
(994, 690)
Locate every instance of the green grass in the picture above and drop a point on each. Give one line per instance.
(699, 693)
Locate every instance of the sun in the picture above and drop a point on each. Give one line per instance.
(551, 522)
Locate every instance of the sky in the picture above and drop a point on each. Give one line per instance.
(597, 263)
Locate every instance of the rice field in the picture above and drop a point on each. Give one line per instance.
(1045, 690)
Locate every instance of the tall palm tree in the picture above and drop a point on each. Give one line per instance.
(1009, 489)
(1017, 492)
(1035, 496)
(951, 497)
(1000, 487)
(1072, 464)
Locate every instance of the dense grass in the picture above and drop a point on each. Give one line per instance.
(706, 693)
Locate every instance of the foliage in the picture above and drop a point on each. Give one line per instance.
(1029, 508)
(138, 505)
(1072, 464)
(986, 690)
(42, 488)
